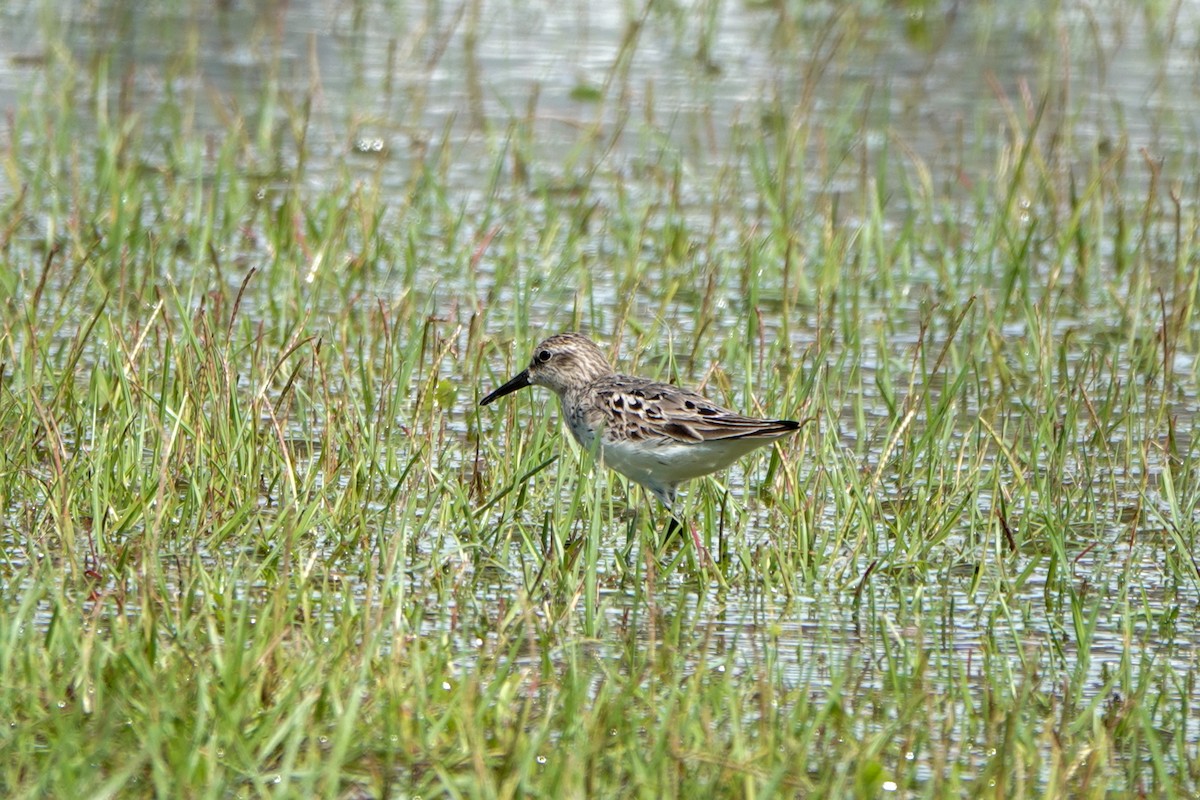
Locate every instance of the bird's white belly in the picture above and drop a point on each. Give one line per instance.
(653, 463)
(659, 463)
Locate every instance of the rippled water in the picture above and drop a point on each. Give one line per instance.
(941, 87)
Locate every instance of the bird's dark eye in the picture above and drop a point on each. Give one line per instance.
(543, 356)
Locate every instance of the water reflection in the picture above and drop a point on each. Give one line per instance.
(598, 95)
(940, 84)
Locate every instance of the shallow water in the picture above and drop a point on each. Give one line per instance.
(390, 85)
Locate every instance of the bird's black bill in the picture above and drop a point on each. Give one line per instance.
(518, 382)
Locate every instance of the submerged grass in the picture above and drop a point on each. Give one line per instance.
(258, 539)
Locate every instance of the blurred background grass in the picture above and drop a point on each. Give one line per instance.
(259, 262)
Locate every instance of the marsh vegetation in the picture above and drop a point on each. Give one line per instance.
(259, 263)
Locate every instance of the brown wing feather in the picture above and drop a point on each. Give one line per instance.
(662, 409)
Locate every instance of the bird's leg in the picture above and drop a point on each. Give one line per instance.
(666, 496)
(675, 525)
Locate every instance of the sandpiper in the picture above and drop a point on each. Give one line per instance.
(653, 433)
